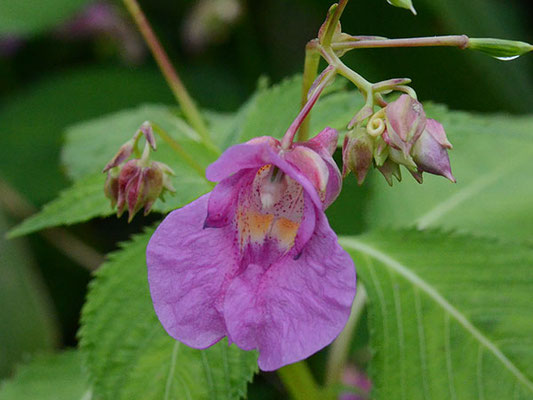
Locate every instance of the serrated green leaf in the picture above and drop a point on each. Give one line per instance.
(129, 355)
(494, 191)
(449, 315)
(23, 17)
(50, 377)
(81, 202)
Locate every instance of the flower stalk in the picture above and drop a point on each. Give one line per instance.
(171, 76)
(299, 382)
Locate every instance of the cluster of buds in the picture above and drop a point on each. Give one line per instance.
(139, 182)
(398, 134)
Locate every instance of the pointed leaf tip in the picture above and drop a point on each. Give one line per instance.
(407, 4)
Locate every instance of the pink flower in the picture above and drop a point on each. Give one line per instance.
(256, 260)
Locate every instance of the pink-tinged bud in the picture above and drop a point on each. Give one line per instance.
(390, 169)
(363, 114)
(122, 155)
(140, 186)
(430, 151)
(406, 121)
(357, 154)
(148, 132)
(111, 186)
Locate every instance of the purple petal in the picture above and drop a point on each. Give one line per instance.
(296, 307)
(253, 154)
(188, 270)
(309, 163)
(223, 198)
(256, 154)
(326, 139)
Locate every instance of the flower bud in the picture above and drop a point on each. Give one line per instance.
(501, 49)
(357, 153)
(140, 186)
(122, 155)
(406, 121)
(430, 151)
(111, 186)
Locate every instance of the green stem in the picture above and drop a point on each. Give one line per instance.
(312, 59)
(338, 352)
(299, 382)
(178, 149)
(460, 41)
(176, 85)
(362, 84)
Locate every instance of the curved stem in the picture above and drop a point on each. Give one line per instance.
(299, 382)
(176, 85)
(321, 82)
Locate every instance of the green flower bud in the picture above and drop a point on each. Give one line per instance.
(504, 50)
(357, 153)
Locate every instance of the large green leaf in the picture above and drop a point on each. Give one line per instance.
(23, 17)
(494, 192)
(130, 356)
(450, 316)
(28, 321)
(50, 377)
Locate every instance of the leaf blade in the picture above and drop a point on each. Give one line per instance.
(430, 311)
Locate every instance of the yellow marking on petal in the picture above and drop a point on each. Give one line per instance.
(259, 225)
(285, 231)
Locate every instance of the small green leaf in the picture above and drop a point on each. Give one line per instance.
(129, 354)
(449, 315)
(50, 377)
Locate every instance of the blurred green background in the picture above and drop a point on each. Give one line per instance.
(63, 61)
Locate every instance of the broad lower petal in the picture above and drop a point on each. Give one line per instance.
(188, 270)
(297, 306)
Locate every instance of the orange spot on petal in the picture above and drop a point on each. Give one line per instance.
(285, 231)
